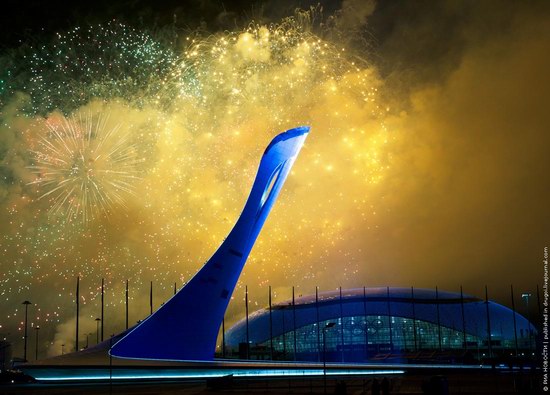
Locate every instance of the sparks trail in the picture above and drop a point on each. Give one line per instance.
(84, 166)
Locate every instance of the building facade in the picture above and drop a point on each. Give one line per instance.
(357, 325)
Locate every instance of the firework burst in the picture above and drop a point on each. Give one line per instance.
(102, 61)
(85, 167)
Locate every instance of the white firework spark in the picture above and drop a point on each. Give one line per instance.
(85, 167)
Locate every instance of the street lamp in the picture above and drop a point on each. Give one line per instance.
(327, 326)
(37, 328)
(88, 339)
(526, 297)
(97, 321)
(26, 303)
(3, 348)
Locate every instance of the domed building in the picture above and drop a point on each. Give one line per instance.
(358, 325)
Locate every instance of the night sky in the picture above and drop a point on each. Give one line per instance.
(130, 132)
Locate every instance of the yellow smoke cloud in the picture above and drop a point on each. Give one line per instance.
(401, 180)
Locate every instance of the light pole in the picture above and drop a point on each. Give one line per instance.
(88, 339)
(526, 296)
(3, 348)
(327, 326)
(97, 321)
(37, 328)
(26, 303)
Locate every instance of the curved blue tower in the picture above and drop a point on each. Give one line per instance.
(186, 326)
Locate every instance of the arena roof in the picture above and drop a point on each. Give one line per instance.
(383, 301)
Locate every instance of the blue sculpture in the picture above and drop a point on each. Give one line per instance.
(186, 326)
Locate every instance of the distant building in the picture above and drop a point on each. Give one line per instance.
(395, 323)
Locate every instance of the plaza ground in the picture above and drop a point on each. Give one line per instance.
(470, 383)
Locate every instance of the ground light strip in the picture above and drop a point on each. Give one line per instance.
(258, 373)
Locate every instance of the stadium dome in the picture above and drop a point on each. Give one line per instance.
(398, 322)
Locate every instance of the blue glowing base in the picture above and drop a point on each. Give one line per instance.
(194, 371)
